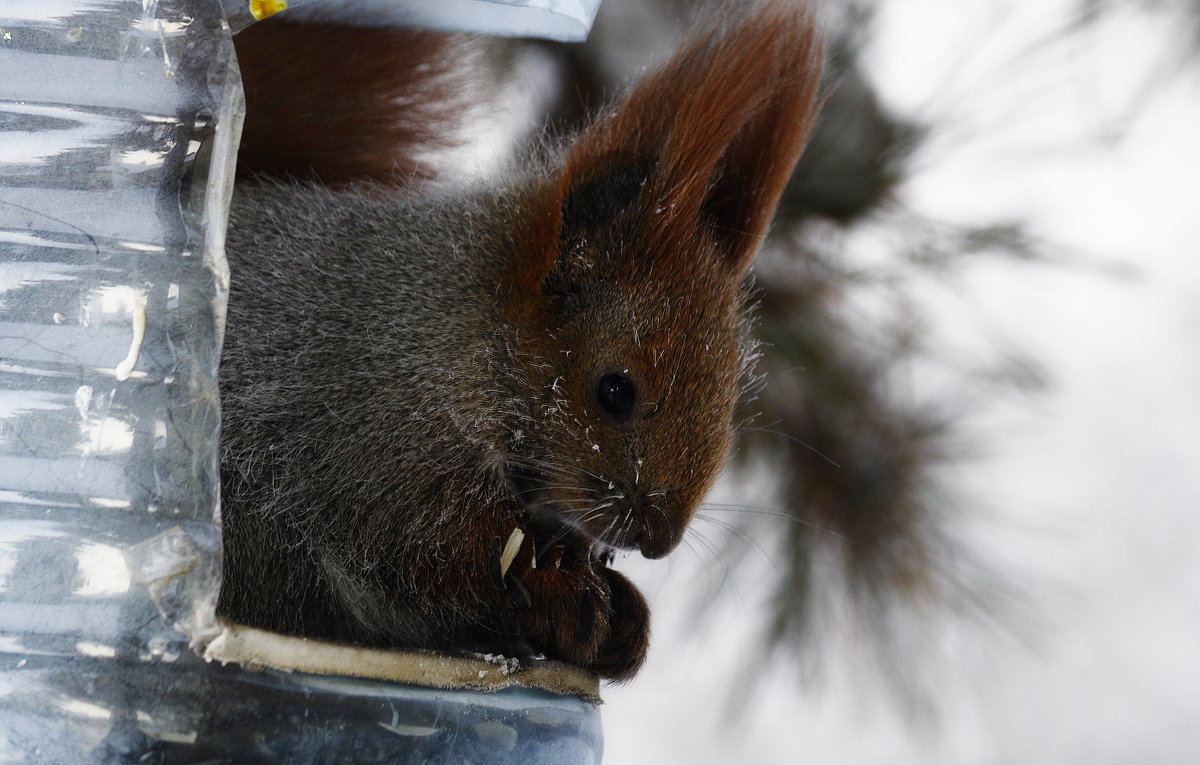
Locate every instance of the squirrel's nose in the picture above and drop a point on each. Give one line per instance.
(660, 534)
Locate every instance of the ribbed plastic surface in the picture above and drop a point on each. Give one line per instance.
(118, 124)
(565, 20)
(120, 121)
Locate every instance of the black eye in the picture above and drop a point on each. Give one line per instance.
(617, 395)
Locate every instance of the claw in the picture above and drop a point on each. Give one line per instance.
(520, 594)
(552, 556)
(494, 566)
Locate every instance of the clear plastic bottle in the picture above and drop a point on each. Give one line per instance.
(120, 121)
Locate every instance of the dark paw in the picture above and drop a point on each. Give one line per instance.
(566, 612)
(581, 612)
(624, 650)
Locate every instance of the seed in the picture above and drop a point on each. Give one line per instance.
(511, 547)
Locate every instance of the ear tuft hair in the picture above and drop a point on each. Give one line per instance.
(721, 127)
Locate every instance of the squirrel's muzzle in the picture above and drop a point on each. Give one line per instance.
(660, 535)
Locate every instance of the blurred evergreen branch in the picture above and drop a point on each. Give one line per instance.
(856, 456)
(860, 457)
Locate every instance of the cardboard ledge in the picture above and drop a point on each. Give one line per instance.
(260, 649)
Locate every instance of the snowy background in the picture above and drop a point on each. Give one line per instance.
(1088, 492)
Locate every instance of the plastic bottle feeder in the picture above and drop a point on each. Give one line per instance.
(120, 129)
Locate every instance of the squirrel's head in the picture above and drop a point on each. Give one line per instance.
(626, 283)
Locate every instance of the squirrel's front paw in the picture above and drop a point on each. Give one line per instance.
(624, 650)
(583, 613)
(564, 613)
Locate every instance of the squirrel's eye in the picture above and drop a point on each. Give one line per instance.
(617, 395)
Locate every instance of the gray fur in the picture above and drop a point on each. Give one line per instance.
(357, 375)
(406, 380)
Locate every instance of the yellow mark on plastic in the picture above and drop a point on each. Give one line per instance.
(260, 9)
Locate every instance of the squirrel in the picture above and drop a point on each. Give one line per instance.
(445, 407)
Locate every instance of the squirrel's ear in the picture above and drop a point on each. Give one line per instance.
(704, 147)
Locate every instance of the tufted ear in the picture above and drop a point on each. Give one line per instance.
(701, 150)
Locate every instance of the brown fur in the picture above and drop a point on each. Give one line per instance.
(717, 133)
(408, 379)
(339, 104)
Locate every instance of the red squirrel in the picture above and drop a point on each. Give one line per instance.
(446, 406)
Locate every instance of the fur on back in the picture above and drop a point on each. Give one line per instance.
(357, 352)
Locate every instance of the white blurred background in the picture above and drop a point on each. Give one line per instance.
(1082, 121)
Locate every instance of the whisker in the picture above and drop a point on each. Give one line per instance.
(558, 487)
(743, 535)
(693, 542)
(753, 510)
(790, 437)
